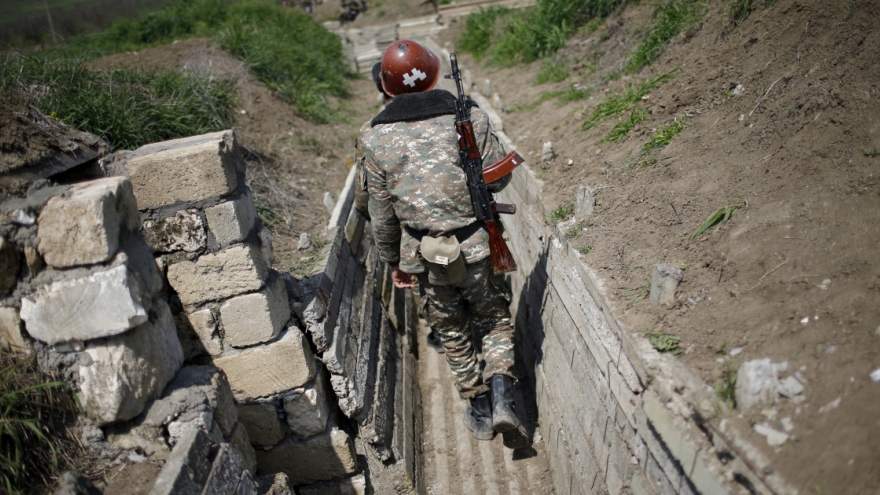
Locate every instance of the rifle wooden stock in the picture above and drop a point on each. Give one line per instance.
(502, 258)
(502, 167)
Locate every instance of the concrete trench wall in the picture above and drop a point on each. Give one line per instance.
(146, 283)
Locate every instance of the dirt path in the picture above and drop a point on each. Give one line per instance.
(456, 463)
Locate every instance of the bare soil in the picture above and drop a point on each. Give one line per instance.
(794, 275)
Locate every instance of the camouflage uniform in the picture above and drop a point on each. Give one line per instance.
(415, 182)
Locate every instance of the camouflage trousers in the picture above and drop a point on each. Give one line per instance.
(478, 307)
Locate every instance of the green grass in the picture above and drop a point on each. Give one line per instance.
(718, 218)
(672, 17)
(551, 72)
(31, 408)
(585, 249)
(616, 104)
(622, 128)
(665, 342)
(635, 294)
(126, 108)
(739, 10)
(507, 37)
(725, 388)
(663, 136)
(285, 48)
(562, 212)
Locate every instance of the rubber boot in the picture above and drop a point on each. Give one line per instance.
(504, 418)
(434, 342)
(478, 417)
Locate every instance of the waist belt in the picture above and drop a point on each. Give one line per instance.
(461, 234)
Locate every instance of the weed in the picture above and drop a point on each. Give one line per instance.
(552, 72)
(590, 27)
(622, 128)
(585, 249)
(740, 9)
(562, 213)
(682, 264)
(725, 387)
(575, 230)
(635, 294)
(665, 342)
(848, 12)
(615, 104)
(31, 407)
(718, 218)
(872, 153)
(127, 108)
(672, 18)
(663, 137)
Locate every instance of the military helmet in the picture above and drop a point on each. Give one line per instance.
(408, 67)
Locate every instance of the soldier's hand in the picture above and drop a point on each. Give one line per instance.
(401, 279)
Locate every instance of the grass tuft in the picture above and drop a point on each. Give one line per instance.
(718, 218)
(725, 388)
(665, 342)
(663, 136)
(635, 294)
(622, 128)
(616, 104)
(561, 213)
(672, 18)
(551, 72)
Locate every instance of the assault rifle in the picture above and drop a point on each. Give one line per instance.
(484, 204)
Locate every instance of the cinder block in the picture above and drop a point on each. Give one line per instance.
(255, 318)
(232, 221)
(10, 265)
(102, 304)
(262, 423)
(183, 170)
(307, 410)
(239, 439)
(184, 231)
(82, 227)
(269, 369)
(188, 466)
(11, 336)
(198, 334)
(235, 271)
(126, 371)
(320, 458)
(356, 485)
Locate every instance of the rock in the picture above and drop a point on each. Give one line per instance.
(195, 389)
(305, 242)
(10, 265)
(774, 438)
(201, 420)
(756, 383)
(875, 375)
(102, 304)
(232, 221)
(256, 318)
(83, 226)
(269, 369)
(266, 246)
(790, 387)
(356, 485)
(35, 262)
(831, 405)
(183, 170)
(11, 336)
(274, 484)
(262, 423)
(198, 334)
(188, 466)
(184, 231)
(320, 458)
(126, 371)
(584, 203)
(487, 87)
(307, 410)
(73, 483)
(496, 102)
(664, 282)
(237, 270)
(225, 471)
(329, 201)
(239, 439)
(787, 425)
(547, 153)
(246, 485)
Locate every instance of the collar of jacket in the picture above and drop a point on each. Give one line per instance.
(411, 107)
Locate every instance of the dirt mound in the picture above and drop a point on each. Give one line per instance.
(778, 113)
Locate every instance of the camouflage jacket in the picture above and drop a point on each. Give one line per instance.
(413, 173)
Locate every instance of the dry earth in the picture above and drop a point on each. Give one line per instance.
(794, 275)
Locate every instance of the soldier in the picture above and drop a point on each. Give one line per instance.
(362, 197)
(421, 210)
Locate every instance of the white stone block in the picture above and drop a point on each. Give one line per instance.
(126, 371)
(269, 369)
(198, 333)
(235, 271)
(183, 170)
(184, 231)
(11, 336)
(82, 226)
(262, 423)
(232, 221)
(101, 304)
(308, 409)
(255, 318)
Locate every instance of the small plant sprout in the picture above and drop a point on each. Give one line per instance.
(718, 218)
(635, 294)
(561, 213)
(622, 128)
(585, 249)
(663, 137)
(872, 152)
(848, 12)
(665, 342)
(725, 387)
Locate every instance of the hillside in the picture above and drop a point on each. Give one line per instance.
(779, 117)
